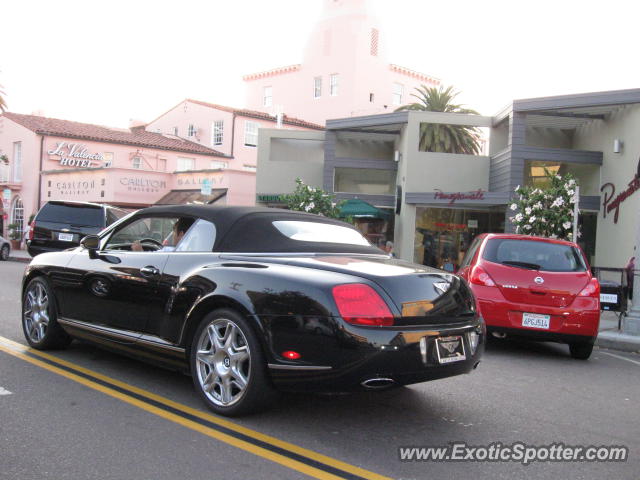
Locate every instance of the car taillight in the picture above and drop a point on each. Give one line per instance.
(480, 277)
(591, 290)
(32, 227)
(359, 304)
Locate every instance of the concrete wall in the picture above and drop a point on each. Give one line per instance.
(284, 155)
(615, 241)
(548, 138)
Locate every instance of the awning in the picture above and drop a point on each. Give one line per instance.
(183, 197)
(357, 208)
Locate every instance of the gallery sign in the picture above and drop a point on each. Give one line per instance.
(611, 202)
(199, 181)
(139, 184)
(454, 196)
(75, 155)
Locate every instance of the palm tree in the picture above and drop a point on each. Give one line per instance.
(3, 103)
(436, 137)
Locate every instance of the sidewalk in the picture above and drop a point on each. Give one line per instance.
(19, 256)
(608, 337)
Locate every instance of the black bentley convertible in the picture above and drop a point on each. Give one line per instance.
(254, 300)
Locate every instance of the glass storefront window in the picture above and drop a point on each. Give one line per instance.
(367, 181)
(443, 235)
(588, 175)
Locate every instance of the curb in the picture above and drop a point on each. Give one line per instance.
(618, 341)
(19, 259)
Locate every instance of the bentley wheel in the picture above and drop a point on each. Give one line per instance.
(39, 317)
(581, 351)
(227, 364)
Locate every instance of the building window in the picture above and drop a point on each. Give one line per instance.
(191, 132)
(216, 132)
(251, 134)
(185, 164)
(136, 162)
(398, 90)
(162, 164)
(333, 84)
(108, 159)
(17, 161)
(317, 87)
(371, 97)
(17, 214)
(374, 41)
(216, 164)
(267, 97)
(249, 168)
(175, 131)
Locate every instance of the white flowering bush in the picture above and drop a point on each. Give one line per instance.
(312, 200)
(546, 212)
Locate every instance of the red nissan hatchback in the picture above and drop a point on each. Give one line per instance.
(534, 287)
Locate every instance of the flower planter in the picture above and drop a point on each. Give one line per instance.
(15, 244)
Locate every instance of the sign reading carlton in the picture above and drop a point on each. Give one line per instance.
(76, 155)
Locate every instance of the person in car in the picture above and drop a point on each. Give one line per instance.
(179, 229)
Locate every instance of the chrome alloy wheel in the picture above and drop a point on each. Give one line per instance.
(223, 362)
(36, 312)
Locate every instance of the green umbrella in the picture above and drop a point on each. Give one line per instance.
(357, 208)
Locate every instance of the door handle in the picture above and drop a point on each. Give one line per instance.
(149, 271)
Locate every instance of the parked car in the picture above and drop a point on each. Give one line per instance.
(254, 300)
(62, 224)
(533, 287)
(5, 249)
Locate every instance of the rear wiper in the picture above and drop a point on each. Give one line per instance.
(531, 266)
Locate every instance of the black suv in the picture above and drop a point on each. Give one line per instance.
(60, 225)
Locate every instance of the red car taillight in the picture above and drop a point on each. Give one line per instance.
(32, 227)
(359, 304)
(591, 290)
(480, 277)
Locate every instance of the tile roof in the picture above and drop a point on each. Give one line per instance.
(86, 131)
(260, 115)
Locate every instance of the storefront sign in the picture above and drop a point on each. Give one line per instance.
(451, 226)
(609, 203)
(269, 198)
(454, 196)
(6, 194)
(194, 181)
(138, 184)
(82, 187)
(75, 155)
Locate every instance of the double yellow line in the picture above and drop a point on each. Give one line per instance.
(284, 453)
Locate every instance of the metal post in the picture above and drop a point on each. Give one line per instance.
(576, 212)
(632, 322)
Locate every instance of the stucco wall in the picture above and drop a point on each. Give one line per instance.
(614, 242)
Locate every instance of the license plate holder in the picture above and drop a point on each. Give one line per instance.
(608, 298)
(65, 237)
(450, 349)
(536, 320)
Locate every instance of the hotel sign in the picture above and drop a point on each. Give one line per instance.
(75, 155)
(454, 196)
(611, 204)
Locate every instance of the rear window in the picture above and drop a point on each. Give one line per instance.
(320, 232)
(535, 255)
(80, 215)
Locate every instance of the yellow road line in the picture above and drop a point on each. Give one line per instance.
(20, 351)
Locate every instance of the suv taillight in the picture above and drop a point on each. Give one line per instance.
(359, 304)
(32, 227)
(591, 290)
(480, 277)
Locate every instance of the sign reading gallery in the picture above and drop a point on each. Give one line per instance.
(75, 155)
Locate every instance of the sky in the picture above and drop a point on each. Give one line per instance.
(111, 62)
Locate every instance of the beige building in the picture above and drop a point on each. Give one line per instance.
(437, 203)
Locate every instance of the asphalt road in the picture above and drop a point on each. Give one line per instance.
(103, 416)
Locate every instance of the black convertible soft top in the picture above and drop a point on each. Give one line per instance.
(251, 229)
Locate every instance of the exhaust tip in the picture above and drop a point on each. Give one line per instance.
(499, 334)
(378, 383)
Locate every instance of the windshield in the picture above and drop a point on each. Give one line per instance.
(534, 255)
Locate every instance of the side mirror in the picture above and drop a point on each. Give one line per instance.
(92, 244)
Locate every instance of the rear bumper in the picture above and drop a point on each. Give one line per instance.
(580, 319)
(382, 353)
(543, 335)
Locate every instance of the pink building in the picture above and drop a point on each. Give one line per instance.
(50, 159)
(232, 131)
(344, 73)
